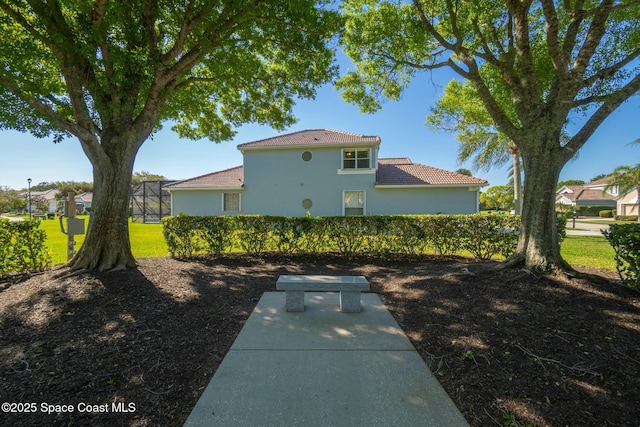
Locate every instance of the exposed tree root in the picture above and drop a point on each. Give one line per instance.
(560, 269)
(516, 260)
(73, 273)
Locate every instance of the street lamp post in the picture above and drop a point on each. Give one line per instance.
(29, 198)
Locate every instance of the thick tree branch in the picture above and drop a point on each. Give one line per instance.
(525, 63)
(596, 31)
(553, 42)
(483, 41)
(430, 28)
(613, 101)
(41, 107)
(570, 38)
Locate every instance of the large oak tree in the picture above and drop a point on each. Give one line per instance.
(558, 60)
(110, 72)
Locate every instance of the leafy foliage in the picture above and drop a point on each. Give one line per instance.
(111, 73)
(11, 200)
(625, 240)
(529, 68)
(497, 197)
(22, 247)
(484, 236)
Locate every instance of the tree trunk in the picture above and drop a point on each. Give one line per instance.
(107, 245)
(517, 184)
(638, 204)
(538, 246)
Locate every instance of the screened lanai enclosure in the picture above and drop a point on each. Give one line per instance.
(150, 202)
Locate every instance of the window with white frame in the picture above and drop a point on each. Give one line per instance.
(356, 158)
(231, 202)
(353, 203)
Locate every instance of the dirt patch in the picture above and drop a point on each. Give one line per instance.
(137, 348)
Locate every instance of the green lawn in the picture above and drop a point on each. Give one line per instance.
(588, 251)
(147, 242)
(146, 239)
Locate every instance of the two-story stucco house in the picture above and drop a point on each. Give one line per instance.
(326, 173)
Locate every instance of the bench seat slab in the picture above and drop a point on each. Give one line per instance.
(348, 286)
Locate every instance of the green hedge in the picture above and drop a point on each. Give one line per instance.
(22, 247)
(484, 236)
(626, 217)
(625, 240)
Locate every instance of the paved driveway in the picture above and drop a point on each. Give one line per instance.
(585, 228)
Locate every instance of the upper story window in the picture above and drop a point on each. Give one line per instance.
(356, 159)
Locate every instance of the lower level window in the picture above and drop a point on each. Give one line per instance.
(353, 203)
(231, 202)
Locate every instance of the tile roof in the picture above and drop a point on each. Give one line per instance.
(47, 194)
(579, 192)
(395, 171)
(312, 137)
(228, 178)
(601, 181)
(402, 171)
(85, 197)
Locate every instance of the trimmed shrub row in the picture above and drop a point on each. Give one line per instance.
(484, 236)
(625, 240)
(626, 217)
(608, 213)
(22, 247)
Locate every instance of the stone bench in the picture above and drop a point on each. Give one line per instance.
(348, 286)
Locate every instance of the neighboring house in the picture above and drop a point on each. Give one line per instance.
(83, 202)
(47, 197)
(591, 194)
(324, 173)
(628, 204)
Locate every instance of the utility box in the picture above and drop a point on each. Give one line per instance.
(75, 226)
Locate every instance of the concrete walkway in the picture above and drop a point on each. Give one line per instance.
(587, 227)
(323, 367)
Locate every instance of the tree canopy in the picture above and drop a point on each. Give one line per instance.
(110, 73)
(535, 65)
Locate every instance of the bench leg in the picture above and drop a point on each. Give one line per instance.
(294, 301)
(350, 301)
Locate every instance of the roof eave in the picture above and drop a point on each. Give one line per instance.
(206, 187)
(318, 145)
(383, 186)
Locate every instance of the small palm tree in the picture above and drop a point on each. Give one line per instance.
(461, 111)
(626, 178)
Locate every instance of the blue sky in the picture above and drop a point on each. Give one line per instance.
(400, 125)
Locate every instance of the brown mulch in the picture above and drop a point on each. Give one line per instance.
(509, 347)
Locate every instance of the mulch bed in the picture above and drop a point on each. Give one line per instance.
(509, 347)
